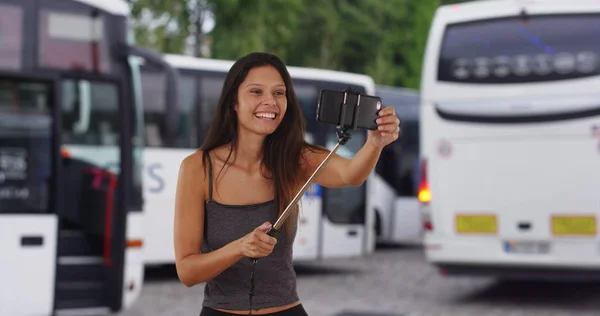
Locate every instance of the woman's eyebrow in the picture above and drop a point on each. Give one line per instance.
(262, 85)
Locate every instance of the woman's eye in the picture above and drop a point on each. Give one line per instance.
(254, 91)
(280, 93)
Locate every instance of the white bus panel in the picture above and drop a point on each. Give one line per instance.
(510, 111)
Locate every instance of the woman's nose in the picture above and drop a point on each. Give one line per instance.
(269, 99)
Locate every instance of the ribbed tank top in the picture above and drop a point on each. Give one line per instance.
(274, 275)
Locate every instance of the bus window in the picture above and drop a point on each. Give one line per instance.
(25, 150)
(90, 114)
(73, 41)
(210, 90)
(153, 91)
(509, 50)
(186, 126)
(11, 35)
(346, 205)
(308, 97)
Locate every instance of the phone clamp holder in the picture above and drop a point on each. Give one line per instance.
(343, 137)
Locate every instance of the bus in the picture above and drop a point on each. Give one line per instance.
(70, 157)
(398, 217)
(332, 223)
(510, 113)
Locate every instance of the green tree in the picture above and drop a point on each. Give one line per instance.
(163, 25)
(421, 15)
(244, 26)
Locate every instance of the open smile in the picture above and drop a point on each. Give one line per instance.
(266, 115)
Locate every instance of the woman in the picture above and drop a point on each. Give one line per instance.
(254, 160)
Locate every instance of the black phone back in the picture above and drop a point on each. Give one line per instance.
(364, 107)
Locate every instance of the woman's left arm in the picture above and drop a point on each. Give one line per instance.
(340, 171)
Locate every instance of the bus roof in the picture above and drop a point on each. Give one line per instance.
(117, 7)
(219, 65)
(489, 9)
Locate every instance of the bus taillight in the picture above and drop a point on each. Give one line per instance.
(424, 193)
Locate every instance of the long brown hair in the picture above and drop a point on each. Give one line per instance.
(282, 152)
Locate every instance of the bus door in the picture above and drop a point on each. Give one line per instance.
(92, 215)
(28, 160)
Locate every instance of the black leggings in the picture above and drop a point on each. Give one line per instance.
(297, 310)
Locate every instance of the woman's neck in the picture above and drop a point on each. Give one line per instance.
(249, 151)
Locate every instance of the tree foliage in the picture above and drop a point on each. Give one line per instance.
(382, 38)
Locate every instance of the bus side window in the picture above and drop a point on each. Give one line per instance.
(186, 124)
(210, 87)
(90, 113)
(11, 36)
(153, 91)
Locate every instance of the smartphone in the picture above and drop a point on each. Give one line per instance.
(359, 108)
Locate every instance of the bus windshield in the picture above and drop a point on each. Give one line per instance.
(514, 50)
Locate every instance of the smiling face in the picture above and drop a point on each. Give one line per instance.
(261, 101)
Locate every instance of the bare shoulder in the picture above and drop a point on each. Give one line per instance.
(192, 162)
(192, 172)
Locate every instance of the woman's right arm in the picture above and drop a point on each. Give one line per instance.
(194, 267)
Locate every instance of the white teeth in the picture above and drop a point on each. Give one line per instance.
(265, 115)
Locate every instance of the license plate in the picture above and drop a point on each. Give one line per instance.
(476, 224)
(527, 247)
(574, 225)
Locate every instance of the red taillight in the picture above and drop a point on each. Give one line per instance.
(424, 193)
(428, 226)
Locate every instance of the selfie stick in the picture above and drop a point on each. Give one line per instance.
(343, 137)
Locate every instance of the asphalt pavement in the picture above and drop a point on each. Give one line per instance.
(394, 281)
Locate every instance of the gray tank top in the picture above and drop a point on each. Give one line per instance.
(274, 275)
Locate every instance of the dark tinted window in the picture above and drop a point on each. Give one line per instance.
(513, 50)
(397, 164)
(25, 146)
(347, 204)
(308, 95)
(90, 112)
(210, 86)
(11, 36)
(73, 41)
(155, 111)
(187, 132)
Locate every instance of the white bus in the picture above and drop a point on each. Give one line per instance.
(70, 168)
(398, 216)
(333, 222)
(510, 114)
